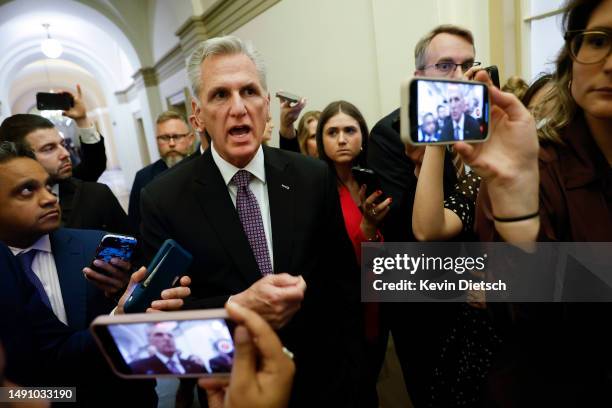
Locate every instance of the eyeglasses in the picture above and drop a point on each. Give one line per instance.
(168, 138)
(589, 46)
(448, 67)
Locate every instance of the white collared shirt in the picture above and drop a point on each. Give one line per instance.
(460, 125)
(44, 267)
(257, 185)
(177, 362)
(88, 135)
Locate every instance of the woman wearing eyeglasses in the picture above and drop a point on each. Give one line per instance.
(557, 354)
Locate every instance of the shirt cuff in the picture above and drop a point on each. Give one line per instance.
(89, 135)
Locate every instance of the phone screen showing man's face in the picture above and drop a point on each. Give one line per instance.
(448, 111)
(185, 347)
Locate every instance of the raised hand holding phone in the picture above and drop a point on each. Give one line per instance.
(291, 106)
(508, 163)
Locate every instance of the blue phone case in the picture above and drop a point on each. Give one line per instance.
(169, 264)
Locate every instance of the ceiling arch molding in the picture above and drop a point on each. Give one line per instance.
(95, 13)
(30, 53)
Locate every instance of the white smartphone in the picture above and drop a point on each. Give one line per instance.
(443, 111)
(195, 343)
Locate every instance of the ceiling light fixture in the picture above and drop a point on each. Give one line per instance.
(49, 46)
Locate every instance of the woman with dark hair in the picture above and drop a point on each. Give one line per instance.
(560, 355)
(342, 141)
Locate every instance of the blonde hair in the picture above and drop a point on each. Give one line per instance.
(168, 115)
(559, 99)
(516, 85)
(302, 130)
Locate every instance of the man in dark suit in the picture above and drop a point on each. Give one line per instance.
(42, 351)
(166, 358)
(458, 125)
(262, 224)
(53, 257)
(174, 143)
(445, 52)
(85, 205)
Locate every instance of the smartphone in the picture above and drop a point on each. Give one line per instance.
(367, 177)
(287, 96)
(54, 101)
(114, 246)
(443, 111)
(170, 263)
(195, 343)
(494, 75)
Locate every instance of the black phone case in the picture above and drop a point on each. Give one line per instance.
(367, 177)
(169, 264)
(53, 101)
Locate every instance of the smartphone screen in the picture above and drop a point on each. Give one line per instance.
(447, 111)
(116, 246)
(177, 348)
(54, 101)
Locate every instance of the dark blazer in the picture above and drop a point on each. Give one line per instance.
(471, 129)
(87, 205)
(93, 161)
(142, 178)
(387, 157)
(42, 351)
(191, 204)
(73, 250)
(153, 365)
(416, 354)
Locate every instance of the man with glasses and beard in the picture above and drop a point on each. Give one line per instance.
(174, 143)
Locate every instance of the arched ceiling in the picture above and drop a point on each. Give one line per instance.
(55, 76)
(96, 49)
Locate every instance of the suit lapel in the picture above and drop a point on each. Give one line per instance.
(214, 199)
(281, 195)
(68, 254)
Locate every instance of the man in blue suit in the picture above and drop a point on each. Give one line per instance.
(174, 143)
(53, 258)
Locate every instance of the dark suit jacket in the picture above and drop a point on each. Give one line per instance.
(142, 178)
(73, 250)
(471, 129)
(387, 157)
(153, 365)
(191, 204)
(93, 161)
(41, 351)
(87, 205)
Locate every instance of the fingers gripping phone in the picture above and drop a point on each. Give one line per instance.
(367, 177)
(114, 246)
(170, 263)
(175, 344)
(443, 111)
(54, 101)
(287, 96)
(494, 75)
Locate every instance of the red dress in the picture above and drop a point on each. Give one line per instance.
(352, 221)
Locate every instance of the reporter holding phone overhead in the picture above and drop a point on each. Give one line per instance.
(85, 204)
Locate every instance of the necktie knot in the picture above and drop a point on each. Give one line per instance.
(241, 178)
(26, 258)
